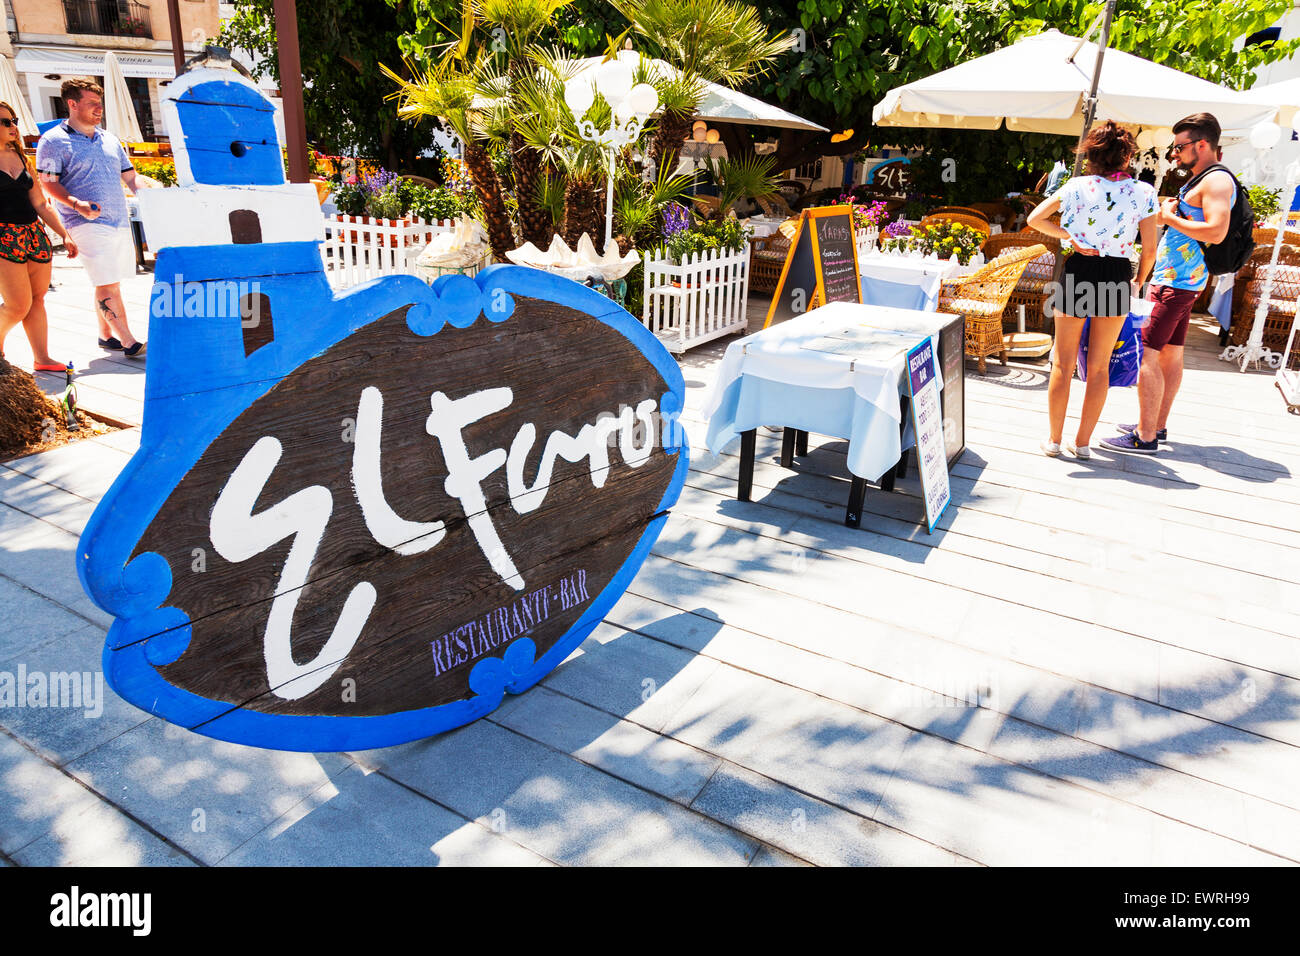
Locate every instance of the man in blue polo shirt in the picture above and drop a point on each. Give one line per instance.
(82, 168)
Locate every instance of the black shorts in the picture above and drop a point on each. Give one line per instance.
(1095, 285)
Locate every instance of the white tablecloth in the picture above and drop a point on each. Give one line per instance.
(763, 225)
(904, 281)
(770, 378)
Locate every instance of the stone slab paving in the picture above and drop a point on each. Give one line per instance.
(1087, 663)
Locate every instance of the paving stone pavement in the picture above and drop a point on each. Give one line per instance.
(775, 689)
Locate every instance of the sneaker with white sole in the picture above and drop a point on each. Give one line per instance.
(1050, 448)
(1162, 434)
(1130, 444)
(1078, 451)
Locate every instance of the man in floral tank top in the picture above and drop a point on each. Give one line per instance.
(1199, 216)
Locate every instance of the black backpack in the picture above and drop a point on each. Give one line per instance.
(1230, 254)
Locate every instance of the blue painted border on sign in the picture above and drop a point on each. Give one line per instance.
(200, 381)
(935, 375)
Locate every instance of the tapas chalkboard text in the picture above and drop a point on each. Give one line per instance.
(821, 266)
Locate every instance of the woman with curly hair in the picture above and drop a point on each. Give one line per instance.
(1102, 213)
(25, 253)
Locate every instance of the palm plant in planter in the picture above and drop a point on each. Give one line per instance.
(741, 177)
(547, 126)
(641, 208)
(448, 91)
(518, 24)
(720, 41)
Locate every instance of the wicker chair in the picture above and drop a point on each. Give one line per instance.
(1248, 289)
(1265, 236)
(960, 210)
(767, 256)
(982, 297)
(997, 213)
(774, 205)
(707, 206)
(976, 222)
(1031, 291)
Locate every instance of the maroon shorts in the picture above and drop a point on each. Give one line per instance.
(1170, 316)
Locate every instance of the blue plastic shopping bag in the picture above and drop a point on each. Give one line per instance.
(1125, 357)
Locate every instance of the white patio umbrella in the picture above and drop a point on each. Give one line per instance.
(719, 103)
(119, 113)
(9, 93)
(1041, 84)
(1284, 95)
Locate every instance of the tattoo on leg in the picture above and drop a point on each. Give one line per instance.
(109, 314)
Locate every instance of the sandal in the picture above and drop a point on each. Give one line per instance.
(51, 368)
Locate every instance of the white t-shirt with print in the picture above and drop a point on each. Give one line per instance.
(1103, 214)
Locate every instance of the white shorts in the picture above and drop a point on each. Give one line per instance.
(106, 252)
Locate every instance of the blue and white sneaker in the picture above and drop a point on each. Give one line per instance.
(1162, 434)
(1130, 444)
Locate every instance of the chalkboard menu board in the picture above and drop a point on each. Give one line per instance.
(821, 266)
(837, 258)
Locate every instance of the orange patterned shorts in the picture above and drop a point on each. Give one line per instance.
(24, 243)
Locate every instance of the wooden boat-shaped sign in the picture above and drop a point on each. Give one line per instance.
(360, 519)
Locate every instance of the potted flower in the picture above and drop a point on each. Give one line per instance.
(949, 239)
(898, 237)
(685, 236)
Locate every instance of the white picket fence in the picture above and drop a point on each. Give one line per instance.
(866, 241)
(701, 299)
(358, 248)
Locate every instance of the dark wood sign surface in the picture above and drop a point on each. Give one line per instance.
(403, 527)
(821, 266)
(440, 609)
(361, 518)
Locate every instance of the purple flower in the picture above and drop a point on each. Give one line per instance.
(898, 228)
(677, 218)
(377, 183)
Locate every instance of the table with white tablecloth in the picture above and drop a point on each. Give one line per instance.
(904, 282)
(784, 375)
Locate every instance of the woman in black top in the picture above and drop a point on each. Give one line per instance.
(25, 252)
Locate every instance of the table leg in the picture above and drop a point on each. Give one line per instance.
(1223, 337)
(900, 469)
(801, 443)
(137, 238)
(745, 484)
(787, 447)
(857, 495)
(887, 479)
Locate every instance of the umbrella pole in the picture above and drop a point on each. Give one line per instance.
(178, 41)
(1090, 106)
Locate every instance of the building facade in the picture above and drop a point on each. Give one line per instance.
(54, 40)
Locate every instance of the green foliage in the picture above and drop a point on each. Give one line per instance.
(944, 238)
(708, 234)
(856, 52)
(388, 197)
(162, 170)
(341, 44)
(740, 178)
(1265, 202)
(351, 198)
(639, 206)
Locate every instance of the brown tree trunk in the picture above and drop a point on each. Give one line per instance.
(535, 224)
(488, 189)
(583, 212)
(668, 139)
